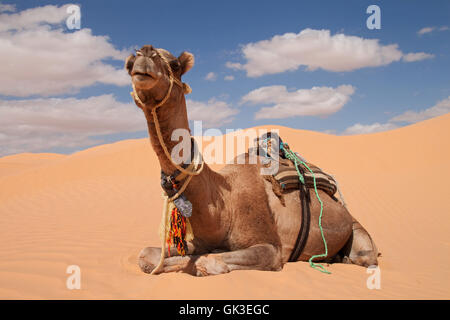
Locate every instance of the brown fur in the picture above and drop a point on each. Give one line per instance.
(240, 220)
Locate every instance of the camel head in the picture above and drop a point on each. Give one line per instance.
(150, 74)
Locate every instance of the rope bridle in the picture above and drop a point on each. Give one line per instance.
(195, 170)
(186, 90)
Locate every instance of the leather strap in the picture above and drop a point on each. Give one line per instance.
(305, 224)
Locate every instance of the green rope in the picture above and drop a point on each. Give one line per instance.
(293, 157)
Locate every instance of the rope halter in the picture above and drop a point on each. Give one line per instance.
(186, 90)
(172, 79)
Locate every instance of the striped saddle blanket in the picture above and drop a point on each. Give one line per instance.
(270, 144)
(288, 179)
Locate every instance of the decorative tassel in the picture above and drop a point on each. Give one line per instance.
(179, 232)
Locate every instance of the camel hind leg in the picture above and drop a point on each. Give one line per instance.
(360, 249)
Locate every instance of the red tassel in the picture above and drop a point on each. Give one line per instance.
(177, 232)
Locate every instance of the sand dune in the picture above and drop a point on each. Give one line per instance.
(97, 208)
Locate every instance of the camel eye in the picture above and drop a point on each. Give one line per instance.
(138, 53)
(153, 54)
(175, 65)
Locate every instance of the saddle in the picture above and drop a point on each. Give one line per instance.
(287, 176)
(270, 147)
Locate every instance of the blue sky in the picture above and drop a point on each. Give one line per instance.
(216, 32)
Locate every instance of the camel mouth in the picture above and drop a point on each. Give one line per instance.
(142, 75)
(144, 80)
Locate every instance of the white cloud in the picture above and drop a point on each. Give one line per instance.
(234, 65)
(41, 58)
(40, 124)
(440, 108)
(432, 29)
(369, 128)
(7, 8)
(314, 49)
(211, 76)
(37, 125)
(317, 101)
(229, 78)
(425, 30)
(412, 57)
(213, 113)
(330, 131)
(33, 17)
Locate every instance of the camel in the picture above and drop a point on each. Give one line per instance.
(238, 221)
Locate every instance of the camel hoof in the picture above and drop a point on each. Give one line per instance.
(149, 258)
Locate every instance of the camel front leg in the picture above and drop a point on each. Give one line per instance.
(257, 257)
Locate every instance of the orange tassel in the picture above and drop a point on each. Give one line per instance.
(177, 232)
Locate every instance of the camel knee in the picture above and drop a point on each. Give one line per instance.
(360, 249)
(270, 257)
(210, 265)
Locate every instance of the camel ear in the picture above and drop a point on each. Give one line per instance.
(187, 61)
(129, 62)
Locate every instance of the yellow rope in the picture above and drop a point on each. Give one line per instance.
(168, 205)
(163, 244)
(168, 202)
(163, 145)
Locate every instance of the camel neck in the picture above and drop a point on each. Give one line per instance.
(172, 119)
(203, 189)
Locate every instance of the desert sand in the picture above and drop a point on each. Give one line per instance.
(99, 207)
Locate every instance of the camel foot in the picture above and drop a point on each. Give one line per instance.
(149, 259)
